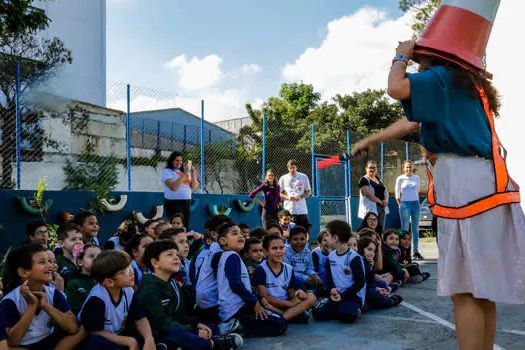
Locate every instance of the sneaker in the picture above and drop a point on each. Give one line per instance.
(397, 299)
(418, 256)
(230, 326)
(393, 287)
(425, 275)
(161, 346)
(231, 341)
(416, 279)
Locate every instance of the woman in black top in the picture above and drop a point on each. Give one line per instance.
(373, 194)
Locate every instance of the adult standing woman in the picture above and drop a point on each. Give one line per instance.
(272, 198)
(481, 243)
(407, 197)
(178, 186)
(373, 196)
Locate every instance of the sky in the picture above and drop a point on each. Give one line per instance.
(231, 52)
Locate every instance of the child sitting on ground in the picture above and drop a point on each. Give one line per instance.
(320, 255)
(125, 233)
(285, 219)
(88, 223)
(70, 239)
(345, 277)
(79, 288)
(300, 259)
(405, 245)
(35, 315)
(106, 314)
(245, 229)
(207, 294)
(239, 308)
(164, 305)
(275, 227)
(57, 281)
(135, 250)
(275, 282)
(37, 232)
(377, 292)
(390, 258)
(253, 255)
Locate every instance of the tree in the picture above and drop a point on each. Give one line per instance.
(39, 60)
(424, 10)
(19, 16)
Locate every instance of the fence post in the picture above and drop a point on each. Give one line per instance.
(382, 161)
(349, 150)
(349, 204)
(313, 161)
(185, 133)
(406, 151)
(158, 136)
(202, 146)
(128, 138)
(264, 148)
(142, 136)
(18, 127)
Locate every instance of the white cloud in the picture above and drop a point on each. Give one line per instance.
(355, 55)
(251, 68)
(196, 74)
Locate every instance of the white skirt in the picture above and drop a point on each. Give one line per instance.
(483, 255)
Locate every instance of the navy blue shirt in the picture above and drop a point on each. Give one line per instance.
(451, 120)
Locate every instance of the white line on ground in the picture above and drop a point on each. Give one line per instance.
(437, 319)
(411, 319)
(512, 331)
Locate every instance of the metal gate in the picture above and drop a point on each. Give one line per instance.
(332, 188)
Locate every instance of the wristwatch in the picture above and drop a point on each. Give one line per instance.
(402, 58)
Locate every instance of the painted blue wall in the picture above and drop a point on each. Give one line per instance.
(14, 219)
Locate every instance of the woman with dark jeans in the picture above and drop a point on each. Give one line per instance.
(272, 198)
(178, 185)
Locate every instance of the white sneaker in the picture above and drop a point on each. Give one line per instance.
(230, 326)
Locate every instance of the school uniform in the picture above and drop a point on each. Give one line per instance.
(196, 262)
(42, 333)
(319, 261)
(237, 301)
(114, 243)
(101, 313)
(77, 290)
(67, 268)
(302, 264)
(163, 304)
(374, 299)
(137, 272)
(391, 264)
(345, 272)
(207, 297)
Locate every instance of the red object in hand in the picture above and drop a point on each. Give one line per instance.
(328, 162)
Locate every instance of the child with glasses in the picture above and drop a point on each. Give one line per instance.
(37, 232)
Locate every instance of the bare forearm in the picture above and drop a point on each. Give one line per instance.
(144, 328)
(117, 339)
(281, 304)
(398, 83)
(16, 334)
(194, 182)
(285, 197)
(66, 321)
(255, 199)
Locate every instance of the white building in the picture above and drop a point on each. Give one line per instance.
(81, 25)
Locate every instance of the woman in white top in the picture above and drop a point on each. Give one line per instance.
(178, 185)
(373, 195)
(407, 196)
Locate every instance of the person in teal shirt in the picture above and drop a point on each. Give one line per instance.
(478, 254)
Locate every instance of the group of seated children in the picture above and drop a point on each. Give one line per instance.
(155, 290)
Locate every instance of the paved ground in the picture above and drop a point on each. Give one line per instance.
(424, 321)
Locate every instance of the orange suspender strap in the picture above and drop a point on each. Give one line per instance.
(500, 197)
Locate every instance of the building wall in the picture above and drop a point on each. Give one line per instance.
(81, 25)
(234, 125)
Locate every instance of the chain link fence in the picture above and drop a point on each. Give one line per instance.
(118, 137)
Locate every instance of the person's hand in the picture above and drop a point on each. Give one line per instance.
(59, 282)
(192, 170)
(406, 48)
(362, 148)
(383, 291)
(384, 203)
(42, 300)
(195, 235)
(300, 294)
(30, 298)
(263, 204)
(203, 327)
(317, 279)
(149, 344)
(260, 312)
(131, 343)
(335, 295)
(407, 275)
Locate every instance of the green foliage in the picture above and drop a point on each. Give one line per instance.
(39, 59)
(53, 237)
(19, 16)
(39, 195)
(92, 173)
(423, 9)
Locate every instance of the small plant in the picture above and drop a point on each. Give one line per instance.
(38, 197)
(53, 237)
